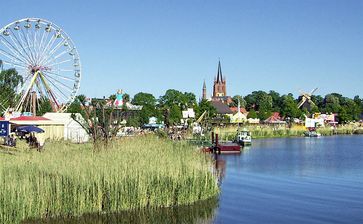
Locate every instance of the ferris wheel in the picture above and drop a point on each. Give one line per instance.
(46, 59)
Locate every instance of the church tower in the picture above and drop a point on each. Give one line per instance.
(204, 92)
(219, 86)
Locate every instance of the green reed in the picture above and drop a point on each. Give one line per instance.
(71, 180)
(267, 131)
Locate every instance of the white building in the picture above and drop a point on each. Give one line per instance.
(73, 131)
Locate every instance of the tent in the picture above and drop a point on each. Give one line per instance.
(53, 130)
(73, 131)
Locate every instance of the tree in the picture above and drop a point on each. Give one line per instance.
(250, 101)
(175, 115)
(289, 107)
(235, 99)
(318, 101)
(144, 99)
(264, 103)
(9, 81)
(76, 105)
(359, 102)
(99, 122)
(332, 103)
(343, 116)
(252, 114)
(352, 109)
(172, 97)
(276, 100)
(126, 98)
(189, 100)
(206, 105)
(148, 103)
(44, 107)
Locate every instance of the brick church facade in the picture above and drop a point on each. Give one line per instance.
(219, 88)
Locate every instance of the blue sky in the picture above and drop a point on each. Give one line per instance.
(152, 46)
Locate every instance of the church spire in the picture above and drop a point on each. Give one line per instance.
(219, 73)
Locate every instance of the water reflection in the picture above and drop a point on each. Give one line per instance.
(220, 168)
(198, 213)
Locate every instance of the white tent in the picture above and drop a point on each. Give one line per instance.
(73, 131)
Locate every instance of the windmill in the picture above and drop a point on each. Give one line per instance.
(306, 98)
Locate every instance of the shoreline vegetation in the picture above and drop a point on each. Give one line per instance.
(267, 131)
(70, 180)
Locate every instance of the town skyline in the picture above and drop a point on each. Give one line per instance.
(284, 46)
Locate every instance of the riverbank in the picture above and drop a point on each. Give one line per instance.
(266, 131)
(70, 180)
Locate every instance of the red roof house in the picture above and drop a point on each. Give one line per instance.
(242, 110)
(275, 118)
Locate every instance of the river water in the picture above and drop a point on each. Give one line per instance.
(287, 180)
(294, 180)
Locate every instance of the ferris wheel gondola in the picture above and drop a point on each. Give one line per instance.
(46, 58)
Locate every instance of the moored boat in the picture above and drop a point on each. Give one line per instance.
(223, 147)
(312, 134)
(243, 137)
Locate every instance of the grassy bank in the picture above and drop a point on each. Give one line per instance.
(71, 180)
(266, 131)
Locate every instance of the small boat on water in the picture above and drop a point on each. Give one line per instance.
(243, 137)
(312, 134)
(223, 147)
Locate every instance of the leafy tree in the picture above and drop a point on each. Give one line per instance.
(251, 101)
(265, 106)
(318, 101)
(352, 109)
(172, 97)
(332, 103)
(9, 81)
(206, 105)
(99, 122)
(44, 106)
(276, 100)
(343, 116)
(252, 114)
(289, 107)
(144, 99)
(173, 102)
(175, 115)
(148, 103)
(76, 105)
(126, 98)
(235, 99)
(189, 100)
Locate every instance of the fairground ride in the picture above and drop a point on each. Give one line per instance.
(46, 59)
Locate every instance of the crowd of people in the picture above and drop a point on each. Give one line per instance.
(10, 140)
(33, 140)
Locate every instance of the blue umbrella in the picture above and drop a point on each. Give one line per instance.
(29, 129)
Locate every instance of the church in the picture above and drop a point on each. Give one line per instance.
(219, 88)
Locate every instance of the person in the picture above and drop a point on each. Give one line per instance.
(40, 141)
(7, 140)
(12, 140)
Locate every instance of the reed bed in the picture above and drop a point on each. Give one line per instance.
(70, 180)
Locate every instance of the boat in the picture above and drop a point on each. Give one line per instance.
(223, 147)
(312, 134)
(243, 137)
